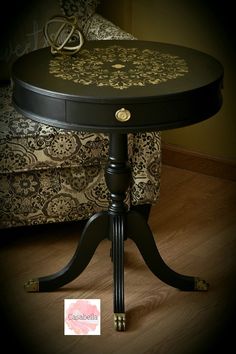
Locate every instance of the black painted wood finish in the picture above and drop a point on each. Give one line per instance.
(188, 87)
(118, 87)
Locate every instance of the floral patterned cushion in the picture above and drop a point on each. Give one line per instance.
(83, 9)
(54, 175)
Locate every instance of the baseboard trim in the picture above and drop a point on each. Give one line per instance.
(178, 157)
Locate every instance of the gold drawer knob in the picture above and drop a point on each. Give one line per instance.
(122, 115)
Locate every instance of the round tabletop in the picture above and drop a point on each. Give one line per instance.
(118, 85)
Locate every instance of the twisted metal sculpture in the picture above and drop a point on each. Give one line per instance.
(63, 35)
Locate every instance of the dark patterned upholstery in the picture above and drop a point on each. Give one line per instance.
(54, 175)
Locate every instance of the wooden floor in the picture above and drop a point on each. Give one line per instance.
(195, 228)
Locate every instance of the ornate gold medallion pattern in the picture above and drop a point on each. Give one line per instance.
(118, 67)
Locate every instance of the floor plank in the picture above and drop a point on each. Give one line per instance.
(194, 225)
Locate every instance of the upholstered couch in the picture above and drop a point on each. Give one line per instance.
(54, 175)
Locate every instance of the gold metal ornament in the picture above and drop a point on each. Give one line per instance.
(63, 35)
(122, 115)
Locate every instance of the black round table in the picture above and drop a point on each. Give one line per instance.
(118, 87)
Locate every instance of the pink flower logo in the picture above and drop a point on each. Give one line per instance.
(82, 317)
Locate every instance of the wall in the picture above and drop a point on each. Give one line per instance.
(119, 12)
(200, 24)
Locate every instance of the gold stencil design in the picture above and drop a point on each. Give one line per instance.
(118, 67)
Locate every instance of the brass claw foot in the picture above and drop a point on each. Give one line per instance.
(32, 286)
(201, 285)
(119, 321)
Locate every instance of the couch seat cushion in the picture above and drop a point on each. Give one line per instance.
(26, 145)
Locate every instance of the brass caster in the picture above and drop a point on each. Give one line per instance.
(119, 321)
(32, 286)
(201, 285)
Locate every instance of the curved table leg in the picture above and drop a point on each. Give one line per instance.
(96, 229)
(140, 233)
(118, 179)
(117, 225)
